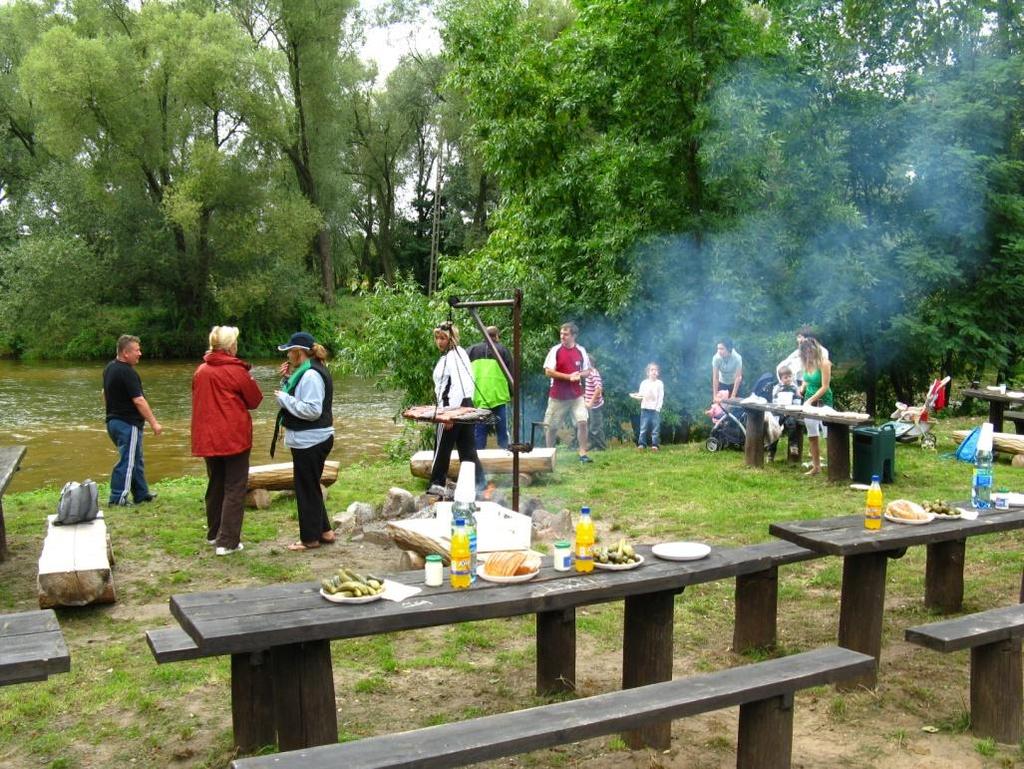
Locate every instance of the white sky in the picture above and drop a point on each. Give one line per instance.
(389, 44)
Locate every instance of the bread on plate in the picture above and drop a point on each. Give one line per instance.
(906, 510)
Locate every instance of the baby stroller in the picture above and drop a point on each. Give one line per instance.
(911, 422)
(729, 429)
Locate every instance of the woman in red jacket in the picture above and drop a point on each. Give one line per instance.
(223, 393)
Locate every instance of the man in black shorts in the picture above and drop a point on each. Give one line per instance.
(127, 413)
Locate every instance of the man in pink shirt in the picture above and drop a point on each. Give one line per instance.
(567, 364)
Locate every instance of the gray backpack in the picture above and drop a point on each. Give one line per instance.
(79, 503)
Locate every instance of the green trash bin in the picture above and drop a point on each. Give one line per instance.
(874, 453)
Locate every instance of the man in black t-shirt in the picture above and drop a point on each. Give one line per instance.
(127, 413)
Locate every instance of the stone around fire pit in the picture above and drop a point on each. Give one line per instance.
(550, 526)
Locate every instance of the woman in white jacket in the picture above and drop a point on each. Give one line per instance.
(453, 386)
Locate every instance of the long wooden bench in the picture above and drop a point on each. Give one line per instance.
(763, 691)
(279, 636)
(32, 647)
(757, 595)
(994, 638)
(10, 459)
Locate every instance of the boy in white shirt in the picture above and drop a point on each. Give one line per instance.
(651, 397)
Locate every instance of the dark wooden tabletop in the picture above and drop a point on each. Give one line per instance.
(10, 458)
(991, 395)
(250, 619)
(847, 536)
(789, 411)
(31, 647)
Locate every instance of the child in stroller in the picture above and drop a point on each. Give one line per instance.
(786, 393)
(729, 424)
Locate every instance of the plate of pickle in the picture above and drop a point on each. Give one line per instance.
(941, 510)
(620, 557)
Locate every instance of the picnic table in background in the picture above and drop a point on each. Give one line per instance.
(997, 403)
(839, 423)
(10, 459)
(865, 555)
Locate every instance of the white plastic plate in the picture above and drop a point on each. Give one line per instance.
(619, 566)
(504, 580)
(338, 598)
(681, 551)
(922, 521)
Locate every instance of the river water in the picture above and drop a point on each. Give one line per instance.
(56, 409)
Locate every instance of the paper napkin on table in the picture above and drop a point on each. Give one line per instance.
(398, 591)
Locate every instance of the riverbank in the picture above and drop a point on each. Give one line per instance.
(56, 411)
(117, 707)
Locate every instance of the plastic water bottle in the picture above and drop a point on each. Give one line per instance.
(873, 505)
(981, 486)
(584, 542)
(460, 578)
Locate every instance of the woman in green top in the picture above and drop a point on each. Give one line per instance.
(817, 377)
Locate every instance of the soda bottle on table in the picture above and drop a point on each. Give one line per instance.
(981, 485)
(460, 577)
(873, 505)
(584, 554)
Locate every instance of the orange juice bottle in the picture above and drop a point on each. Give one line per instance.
(873, 506)
(460, 576)
(584, 555)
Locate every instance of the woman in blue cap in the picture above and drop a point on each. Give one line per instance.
(305, 398)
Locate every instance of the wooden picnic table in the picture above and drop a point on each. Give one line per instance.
(10, 459)
(865, 555)
(279, 636)
(31, 647)
(997, 403)
(838, 439)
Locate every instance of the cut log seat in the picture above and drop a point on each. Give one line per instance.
(74, 567)
(281, 476)
(994, 638)
(764, 692)
(1008, 443)
(495, 462)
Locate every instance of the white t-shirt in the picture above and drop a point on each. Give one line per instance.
(652, 394)
(453, 380)
(795, 365)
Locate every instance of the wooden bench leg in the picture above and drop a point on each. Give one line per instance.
(996, 691)
(766, 734)
(647, 657)
(753, 446)
(944, 576)
(838, 453)
(996, 409)
(757, 597)
(304, 695)
(795, 449)
(252, 701)
(556, 651)
(861, 610)
(3, 534)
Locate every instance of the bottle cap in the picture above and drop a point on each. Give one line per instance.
(460, 521)
(584, 511)
(465, 487)
(985, 437)
(875, 478)
(562, 543)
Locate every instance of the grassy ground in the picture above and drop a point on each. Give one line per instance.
(117, 707)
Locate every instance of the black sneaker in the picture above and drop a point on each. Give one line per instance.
(585, 460)
(150, 498)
